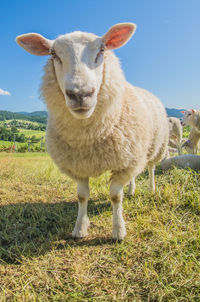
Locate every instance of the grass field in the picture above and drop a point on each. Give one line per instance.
(27, 133)
(20, 121)
(159, 260)
(18, 145)
(38, 134)
(7, 143)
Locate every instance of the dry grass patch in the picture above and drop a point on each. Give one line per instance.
(158, 261)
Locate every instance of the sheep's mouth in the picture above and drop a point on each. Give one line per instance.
(81, 109)
(82, 112)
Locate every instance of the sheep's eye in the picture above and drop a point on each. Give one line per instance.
(189, 114)
(101, 52)
(55, 56)
(53, 53)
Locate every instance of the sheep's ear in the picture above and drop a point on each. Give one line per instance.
(35, 44)
(118, 35)
(193, 111)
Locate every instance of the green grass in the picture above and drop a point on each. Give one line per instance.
(6, 143)
(159, 260)
(27, 133)
(38, 134)
(21, 121)
(186, 131)
(23, 155)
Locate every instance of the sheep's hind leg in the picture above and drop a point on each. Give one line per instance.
(131, 187)
(82, 221)
(179, 147)
(151, 169)
(118, 228)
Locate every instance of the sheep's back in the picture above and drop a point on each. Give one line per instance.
(150, 120)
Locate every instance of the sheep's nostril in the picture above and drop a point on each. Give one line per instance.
(79, 96)
(72, 95)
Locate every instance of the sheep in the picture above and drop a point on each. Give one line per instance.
(192, 144)
(183, 161)
(192, 118)
(175, 133)
(97, 121)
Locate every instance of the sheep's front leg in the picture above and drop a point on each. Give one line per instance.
(118, 228)
(151, 170)
(82, 221)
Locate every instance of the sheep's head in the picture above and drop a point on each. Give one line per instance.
(188, 117)
(78, 62)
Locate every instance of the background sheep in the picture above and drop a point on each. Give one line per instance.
(192, 144)
(192, 118)
(97, 121)
(175, 133)
(183, 161)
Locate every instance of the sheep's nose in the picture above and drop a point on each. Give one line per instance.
(72, 95)
(79, 96)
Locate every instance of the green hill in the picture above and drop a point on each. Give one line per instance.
(37, 116)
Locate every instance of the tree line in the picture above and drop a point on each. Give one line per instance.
(13, 135)
(26, 125)
(39, 117)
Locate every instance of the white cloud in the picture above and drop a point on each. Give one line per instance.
(31, 96)
(4, 92)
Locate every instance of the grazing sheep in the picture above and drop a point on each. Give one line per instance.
(183, 161)
(192, 118)
(175, 133)
(97, 121)
(192, 144)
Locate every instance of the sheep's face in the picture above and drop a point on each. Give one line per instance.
(78, 63)
(188, 118)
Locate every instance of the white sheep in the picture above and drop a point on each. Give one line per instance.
(175, 133)
(96, 120)
(192, 118)
(192, 144)
(183, 161)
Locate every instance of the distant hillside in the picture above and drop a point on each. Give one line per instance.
(41, 116)
(37, 116)
(174, 112)
(170, 112)
(35, 113)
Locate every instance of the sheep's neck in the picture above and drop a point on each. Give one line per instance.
(197, 121)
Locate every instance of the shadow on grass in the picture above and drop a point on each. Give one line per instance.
(30, 230)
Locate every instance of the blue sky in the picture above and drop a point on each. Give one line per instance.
(163, 56)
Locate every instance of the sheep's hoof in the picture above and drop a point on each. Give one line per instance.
(131, 193)
(76, 234)
(80, 229)
(118, 233)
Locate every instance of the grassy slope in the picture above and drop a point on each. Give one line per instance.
(22, 121)
(158, 260)
(7, 143)
(27, 133)
(38, 134)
